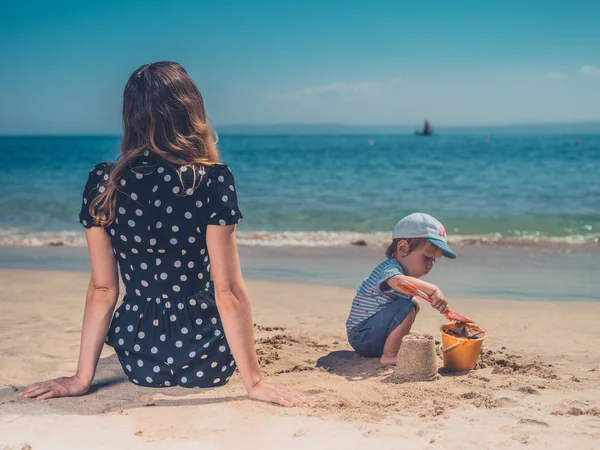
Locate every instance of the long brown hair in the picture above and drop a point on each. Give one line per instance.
(163, 112)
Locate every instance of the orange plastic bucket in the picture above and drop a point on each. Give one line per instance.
(460, 355)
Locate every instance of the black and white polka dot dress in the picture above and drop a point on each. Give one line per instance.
(167, 331)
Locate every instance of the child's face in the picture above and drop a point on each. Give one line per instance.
(419, 262)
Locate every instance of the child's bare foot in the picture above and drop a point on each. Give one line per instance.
(389, 359)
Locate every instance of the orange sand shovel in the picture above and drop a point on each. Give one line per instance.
(408, 287)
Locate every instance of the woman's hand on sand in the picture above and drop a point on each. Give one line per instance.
(439, 301)
(58, 387)
(279, 394)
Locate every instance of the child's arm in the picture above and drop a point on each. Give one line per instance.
(439, 300)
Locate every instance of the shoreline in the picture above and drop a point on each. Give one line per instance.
(502, 272)
(320, 239)
(293, 284)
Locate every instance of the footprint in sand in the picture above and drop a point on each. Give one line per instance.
(533, 422)
(529, 390)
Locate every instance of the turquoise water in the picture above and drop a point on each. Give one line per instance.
(541, 187)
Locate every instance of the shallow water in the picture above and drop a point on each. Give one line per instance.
(503, 272)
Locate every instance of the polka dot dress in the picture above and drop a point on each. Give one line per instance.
(167, 331)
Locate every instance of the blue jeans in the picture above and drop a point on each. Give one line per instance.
(369, 336)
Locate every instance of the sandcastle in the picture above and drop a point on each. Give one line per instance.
(417, 359)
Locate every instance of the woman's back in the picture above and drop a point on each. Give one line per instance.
(159, 232)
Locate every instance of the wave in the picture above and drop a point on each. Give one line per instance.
(21, 238)
(347, 238)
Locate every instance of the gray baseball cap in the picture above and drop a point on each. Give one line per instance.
(421, 225)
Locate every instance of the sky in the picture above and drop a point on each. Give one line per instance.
(64, 64)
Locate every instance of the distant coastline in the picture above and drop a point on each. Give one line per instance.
(520, 128)
(575, 128)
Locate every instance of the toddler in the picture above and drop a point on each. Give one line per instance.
(381, 315)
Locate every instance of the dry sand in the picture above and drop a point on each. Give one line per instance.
(537, 383)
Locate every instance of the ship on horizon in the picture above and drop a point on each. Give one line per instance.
(426, 131)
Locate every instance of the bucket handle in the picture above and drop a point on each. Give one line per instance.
(447, 349)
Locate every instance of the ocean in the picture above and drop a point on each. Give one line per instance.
(330, 190)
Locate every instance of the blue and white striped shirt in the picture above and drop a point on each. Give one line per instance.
(370, 299)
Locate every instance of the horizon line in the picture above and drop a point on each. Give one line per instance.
(401, 127)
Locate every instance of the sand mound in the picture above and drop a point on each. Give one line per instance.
(506, 363)
(276, 353)
(574, 411)
(480, 400)
(417, 359)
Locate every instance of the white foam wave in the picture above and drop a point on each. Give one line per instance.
(21, 238)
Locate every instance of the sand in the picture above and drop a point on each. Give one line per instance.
(537, 383)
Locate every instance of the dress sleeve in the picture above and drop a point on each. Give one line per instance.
(222, 202)
(93, 187)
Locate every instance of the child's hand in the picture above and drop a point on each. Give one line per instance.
(439, 301)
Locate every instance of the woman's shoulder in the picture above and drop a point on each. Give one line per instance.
(100, 169)
(218, 171)
(218, 168)
(219, 177)
(102, 166)
(99, 172)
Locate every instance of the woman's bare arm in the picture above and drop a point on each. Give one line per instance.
(234, 308)
(101, 298)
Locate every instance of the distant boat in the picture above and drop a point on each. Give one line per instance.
(426, 131)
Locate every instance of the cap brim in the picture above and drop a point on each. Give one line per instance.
(448, 252)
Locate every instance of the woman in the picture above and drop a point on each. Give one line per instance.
(166, 213)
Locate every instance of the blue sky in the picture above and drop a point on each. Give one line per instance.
(64, 64)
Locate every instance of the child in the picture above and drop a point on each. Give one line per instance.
(381, 315)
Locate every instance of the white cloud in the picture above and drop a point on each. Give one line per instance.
(345, 90)
(556, 75)
(590, 70)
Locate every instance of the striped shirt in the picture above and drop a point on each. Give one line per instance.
(370, 298)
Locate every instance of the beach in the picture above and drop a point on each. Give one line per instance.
(537, 383)
(520, 210)
(314, 129)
